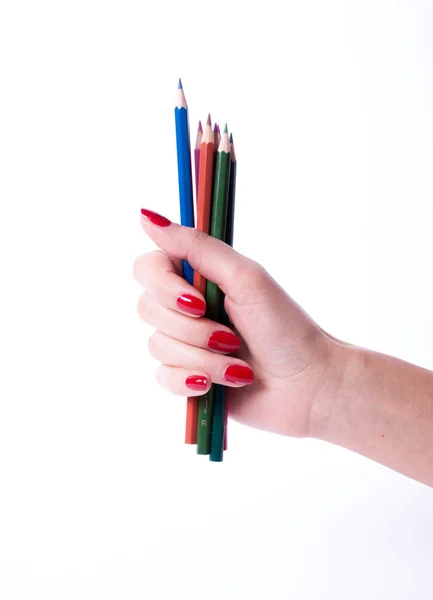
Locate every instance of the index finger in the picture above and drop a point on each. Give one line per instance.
(156, 272)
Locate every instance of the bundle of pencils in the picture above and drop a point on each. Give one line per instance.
(215, 185)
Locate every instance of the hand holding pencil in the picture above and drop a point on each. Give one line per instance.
(275, 360)
(280, 370)
(215, 183)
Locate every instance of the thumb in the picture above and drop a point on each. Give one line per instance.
(212, 258)
(245, 283)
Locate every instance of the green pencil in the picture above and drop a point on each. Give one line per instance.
(219, 422)
(213, 293)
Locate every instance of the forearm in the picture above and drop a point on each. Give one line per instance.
(383, 409)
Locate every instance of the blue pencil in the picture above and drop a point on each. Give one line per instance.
(184, 170)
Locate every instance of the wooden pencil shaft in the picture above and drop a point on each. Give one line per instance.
(218, 224)
(204, 204)
(196, 171)
(184, 177)
(220, 196)
(204, 199)
(213, 293)
(186, 202)
(231, 205)
(191, 420)
(184, 168)
(219, 421)
(204, 426)
(197, 158)
(205, 186)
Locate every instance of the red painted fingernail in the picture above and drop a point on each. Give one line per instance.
(239, 374)
(198, 383)
(224, 341)
(191, 304)
(155, 218)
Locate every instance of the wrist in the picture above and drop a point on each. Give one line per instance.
(327, 406)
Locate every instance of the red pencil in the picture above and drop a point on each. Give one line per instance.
(204, 200)
(197, 157)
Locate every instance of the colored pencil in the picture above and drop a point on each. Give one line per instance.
(197, 157)
(217, 136)
(220, 418)
(204, 200)
(229, 241)
(219, 215)
(232, 195)
(213, 293)
(184, 170)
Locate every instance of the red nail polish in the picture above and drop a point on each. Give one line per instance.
(224, 341)
(155, 218)
(191, 304)
(239, 374)
(198, 383)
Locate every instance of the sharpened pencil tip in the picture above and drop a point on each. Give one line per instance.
(208, 122)
(231, 138)
(200, 128)
(225, 128)
(215, 128)
(179, 85)
(218, 129)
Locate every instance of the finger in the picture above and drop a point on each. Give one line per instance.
(225, 370)
(215, 260)
(156, 272)
(202, 333)
(183, 382)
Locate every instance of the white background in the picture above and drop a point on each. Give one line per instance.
(330, 104)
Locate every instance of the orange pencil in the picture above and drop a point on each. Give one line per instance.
(204, 199)
(204, 205)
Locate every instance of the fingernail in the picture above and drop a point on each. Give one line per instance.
(239, 374)
(191, 304)
(224, 341)
(155, 218)
(198, 383)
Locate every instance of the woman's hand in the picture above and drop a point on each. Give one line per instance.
(281, 369)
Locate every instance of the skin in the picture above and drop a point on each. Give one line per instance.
(306, 382)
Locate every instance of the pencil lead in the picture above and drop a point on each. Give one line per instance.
(200, 128)
(225, 128)
(215, 128)
(218, 129)
(208, 122)
(179, 85)
(231, 138)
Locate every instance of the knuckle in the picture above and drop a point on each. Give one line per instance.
(201, 363)
(199, 236)
(146, 308)
(255, 273)
(250, 276)
(159, 375)
(153, 344)
(194, 249)
(145, 263)
(139, 266)
(190, 329)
